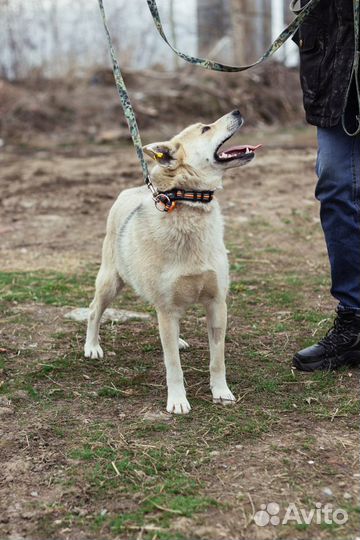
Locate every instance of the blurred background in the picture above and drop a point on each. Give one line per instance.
(54, 64)
(58, 37)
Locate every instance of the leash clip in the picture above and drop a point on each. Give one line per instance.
(151, 186)
(162, 202)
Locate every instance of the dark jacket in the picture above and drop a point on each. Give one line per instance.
(326, 43)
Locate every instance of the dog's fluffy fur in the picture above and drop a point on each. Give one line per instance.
(173, 259)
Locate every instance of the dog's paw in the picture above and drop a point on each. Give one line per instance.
(178, 405)
(223, 395)
(93, 351)
(183, 344)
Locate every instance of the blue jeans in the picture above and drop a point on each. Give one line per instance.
(338, 190)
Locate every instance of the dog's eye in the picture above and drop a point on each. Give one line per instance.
(205, 128)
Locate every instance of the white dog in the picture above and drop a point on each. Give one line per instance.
(177, 258)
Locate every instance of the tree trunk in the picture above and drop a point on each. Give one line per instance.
(213, 23)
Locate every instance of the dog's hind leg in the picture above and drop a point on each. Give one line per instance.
(108, 284)
(216, 313)
(169, 335)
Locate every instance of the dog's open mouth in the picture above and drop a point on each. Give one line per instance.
(235, 152)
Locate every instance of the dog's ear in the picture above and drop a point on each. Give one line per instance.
(164, 153)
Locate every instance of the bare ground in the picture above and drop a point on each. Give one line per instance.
(86, 448)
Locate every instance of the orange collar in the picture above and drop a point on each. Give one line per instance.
(166, 200)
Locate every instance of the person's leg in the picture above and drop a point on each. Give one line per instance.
(338, 190)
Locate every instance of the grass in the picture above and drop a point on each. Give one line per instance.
(53, 288)
(133, 474)
(162, 478)
(264, 345)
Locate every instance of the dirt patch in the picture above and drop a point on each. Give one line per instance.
(69, 110)
(54, 202)
(249, 476)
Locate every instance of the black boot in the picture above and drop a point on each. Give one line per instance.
(340, 347)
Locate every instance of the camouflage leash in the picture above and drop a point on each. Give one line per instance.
(353, 91)
(301, 15)
(159, 199)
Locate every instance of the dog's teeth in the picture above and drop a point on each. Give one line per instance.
(247, 150)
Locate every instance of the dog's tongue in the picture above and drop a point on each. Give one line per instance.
(244, 149)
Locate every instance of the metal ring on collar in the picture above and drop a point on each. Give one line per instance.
(162, 202)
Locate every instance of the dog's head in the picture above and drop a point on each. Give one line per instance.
(195, 159)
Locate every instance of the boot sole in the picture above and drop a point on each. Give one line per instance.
(350, 359)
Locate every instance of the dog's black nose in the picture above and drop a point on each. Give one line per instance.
(236, 113)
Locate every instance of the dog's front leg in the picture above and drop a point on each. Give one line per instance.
(169, 335)
(216, 313)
